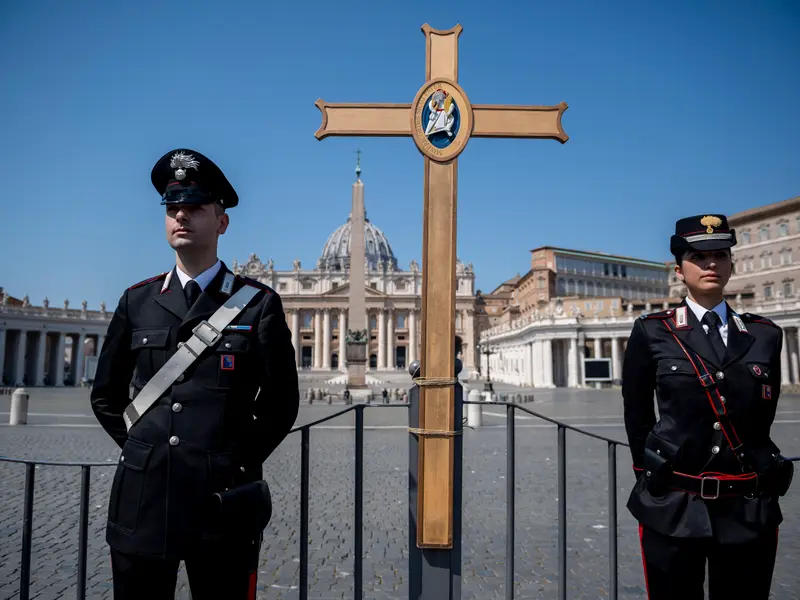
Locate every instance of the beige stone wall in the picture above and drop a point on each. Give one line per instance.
(767, 255)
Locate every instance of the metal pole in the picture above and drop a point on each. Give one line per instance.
(358, 542)
(305, 435)
(562, 513)
(510, 473)
(27, 533)
(612, 520)
(83, 531)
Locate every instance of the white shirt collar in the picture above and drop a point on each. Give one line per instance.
(203, 279)
(721, 309)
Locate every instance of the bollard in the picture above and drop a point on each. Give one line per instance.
(19, 407)
(474, 413)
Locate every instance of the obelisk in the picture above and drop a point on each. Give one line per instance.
(357, 338)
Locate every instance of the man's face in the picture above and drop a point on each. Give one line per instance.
(705, 272)
(194, 226)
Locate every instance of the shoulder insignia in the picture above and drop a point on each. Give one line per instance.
(753, 318)
(664, 314)
(150, 280)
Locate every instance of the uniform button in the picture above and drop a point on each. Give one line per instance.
(179, 377)
(177, 407)
(227, 344)
(715, 450)
(722, 399)
(144, 340)
(717, 426)
(720, 375)
(674, 367)
(121, 459)
(174, 441)
(658, 452)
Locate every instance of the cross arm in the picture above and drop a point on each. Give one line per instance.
(498, 120)
(363, 119)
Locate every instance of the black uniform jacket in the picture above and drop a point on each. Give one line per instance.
(232, 407)
(685, 433)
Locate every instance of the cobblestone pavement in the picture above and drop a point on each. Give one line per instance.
(60, 433)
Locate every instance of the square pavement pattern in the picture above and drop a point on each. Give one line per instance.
(61, 428)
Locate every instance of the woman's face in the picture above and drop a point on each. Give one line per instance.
(705, 272)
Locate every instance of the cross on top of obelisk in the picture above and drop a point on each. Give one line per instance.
(358, 165)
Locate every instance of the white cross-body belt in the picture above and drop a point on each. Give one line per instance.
(206, 334)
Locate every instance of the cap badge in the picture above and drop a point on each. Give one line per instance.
(180, 162)
(710, 222)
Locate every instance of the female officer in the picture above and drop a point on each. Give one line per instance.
(708, 474)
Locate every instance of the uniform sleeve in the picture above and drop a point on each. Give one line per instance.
(278, 400)
(110, 392)
(638, 384)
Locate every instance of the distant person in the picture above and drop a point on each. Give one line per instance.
(708, 474)
(215, 392)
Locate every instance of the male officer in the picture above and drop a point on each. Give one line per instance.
(210, 403)
(708, 474)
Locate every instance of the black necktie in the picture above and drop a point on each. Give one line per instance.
(711, 319)
(192, 292)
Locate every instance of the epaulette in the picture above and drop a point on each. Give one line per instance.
(753, 318)
(664, 314)
(254, 282)
(150, 280)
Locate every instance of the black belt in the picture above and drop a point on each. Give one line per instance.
(711, 486)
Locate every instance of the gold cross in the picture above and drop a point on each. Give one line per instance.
(441, 121)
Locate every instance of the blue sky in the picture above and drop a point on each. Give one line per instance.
(675, 108)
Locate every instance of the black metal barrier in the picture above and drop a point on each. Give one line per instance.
(305, 433)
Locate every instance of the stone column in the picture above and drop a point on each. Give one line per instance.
(296, 343)
(786, 375)
(793, 354)
(77, 359)
(572, 373)
(390, 358)
(342, 338)
(536, 361)
(598, 353)
(2, 355)
(412, 336)
(581, 356)
(382, 338)
(317, 340)
(616, 363)
(41, 353)
(547, 358)
(19, 362)
(326, 339)
(59, 359)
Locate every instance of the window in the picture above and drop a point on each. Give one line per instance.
(373, 323)
(401, 321)
(788, 288)
(400, 285)
(282, 286)
(307, 284)
(623, 271)
(783, 229)
(334, 285)
(746, 237)
(614, 270)
(373, 285)
(308, 319)
(763, 233)
(605, 269)
(767, 291)
(335, 322)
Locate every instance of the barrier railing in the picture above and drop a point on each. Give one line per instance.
(305, 433)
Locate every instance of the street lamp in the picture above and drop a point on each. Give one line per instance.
(488, 351)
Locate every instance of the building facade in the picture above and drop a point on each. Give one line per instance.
(767, 255)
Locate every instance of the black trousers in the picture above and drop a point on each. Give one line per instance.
(215, 572)
(675, 568)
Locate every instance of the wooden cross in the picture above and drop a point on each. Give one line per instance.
(441, 121)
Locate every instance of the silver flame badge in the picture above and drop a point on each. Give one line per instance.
(180, 162)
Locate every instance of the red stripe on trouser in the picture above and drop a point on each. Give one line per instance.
(251, 586)
(644, 562)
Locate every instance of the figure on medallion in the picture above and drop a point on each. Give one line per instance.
(215, 391)
(441, 117)
(708, 475)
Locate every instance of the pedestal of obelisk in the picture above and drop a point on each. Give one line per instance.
(357, 341)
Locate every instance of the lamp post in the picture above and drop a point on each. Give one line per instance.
(488, 351)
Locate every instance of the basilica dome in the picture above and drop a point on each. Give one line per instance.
(336, 253)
